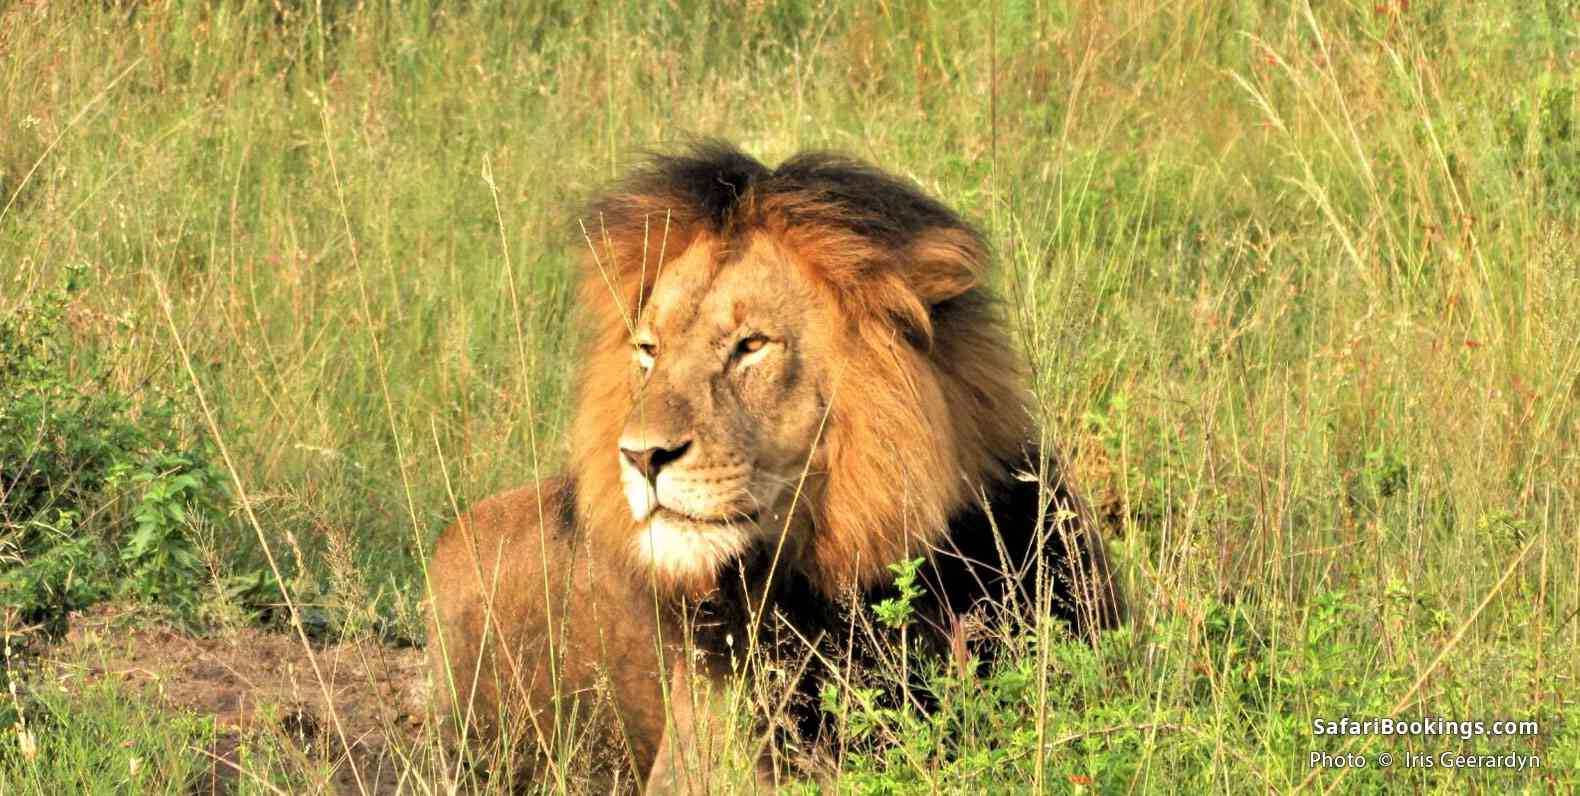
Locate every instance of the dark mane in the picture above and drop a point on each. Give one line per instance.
(721, 186)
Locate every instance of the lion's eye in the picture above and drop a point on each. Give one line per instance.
(751, 345)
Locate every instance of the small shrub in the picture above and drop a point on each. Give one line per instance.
(99, 490)
(162, 563)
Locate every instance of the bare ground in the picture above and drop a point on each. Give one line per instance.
(365, 696)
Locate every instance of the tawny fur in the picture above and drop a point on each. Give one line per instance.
(574, 628)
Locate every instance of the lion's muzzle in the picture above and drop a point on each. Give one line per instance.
(693, 514)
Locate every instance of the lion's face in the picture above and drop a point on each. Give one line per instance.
(728, 387)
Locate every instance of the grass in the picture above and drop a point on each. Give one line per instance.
(1296, 282)
(106, 739)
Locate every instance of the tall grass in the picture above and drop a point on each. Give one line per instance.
(1296, 282)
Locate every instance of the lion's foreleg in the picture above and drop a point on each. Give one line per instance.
(704, 735)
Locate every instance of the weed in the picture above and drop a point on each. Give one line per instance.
(897, 611)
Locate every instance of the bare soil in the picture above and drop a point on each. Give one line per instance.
(364, 696)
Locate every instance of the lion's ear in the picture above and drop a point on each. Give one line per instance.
(944, 262)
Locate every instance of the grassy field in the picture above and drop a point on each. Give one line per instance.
(1298, 282)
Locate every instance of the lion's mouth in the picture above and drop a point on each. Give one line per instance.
(722, 521)
(682, 547)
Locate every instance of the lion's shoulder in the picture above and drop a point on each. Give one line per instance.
(551, 501)
(510, 519)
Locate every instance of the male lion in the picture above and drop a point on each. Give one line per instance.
(793, 379)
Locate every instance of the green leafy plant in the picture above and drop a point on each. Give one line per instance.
(898, 611)
(61, 569)
(162, 563)
(99, 489)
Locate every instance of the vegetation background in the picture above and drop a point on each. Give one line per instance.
(282, 283)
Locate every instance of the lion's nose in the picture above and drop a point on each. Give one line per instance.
(649, 461)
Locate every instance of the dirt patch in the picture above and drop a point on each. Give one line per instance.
(363, 697)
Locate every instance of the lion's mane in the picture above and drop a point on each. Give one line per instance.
(931, 407)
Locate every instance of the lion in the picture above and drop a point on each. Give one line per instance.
(793, 379)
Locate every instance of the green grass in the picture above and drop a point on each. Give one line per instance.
(1297, 284)
(106, 739)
